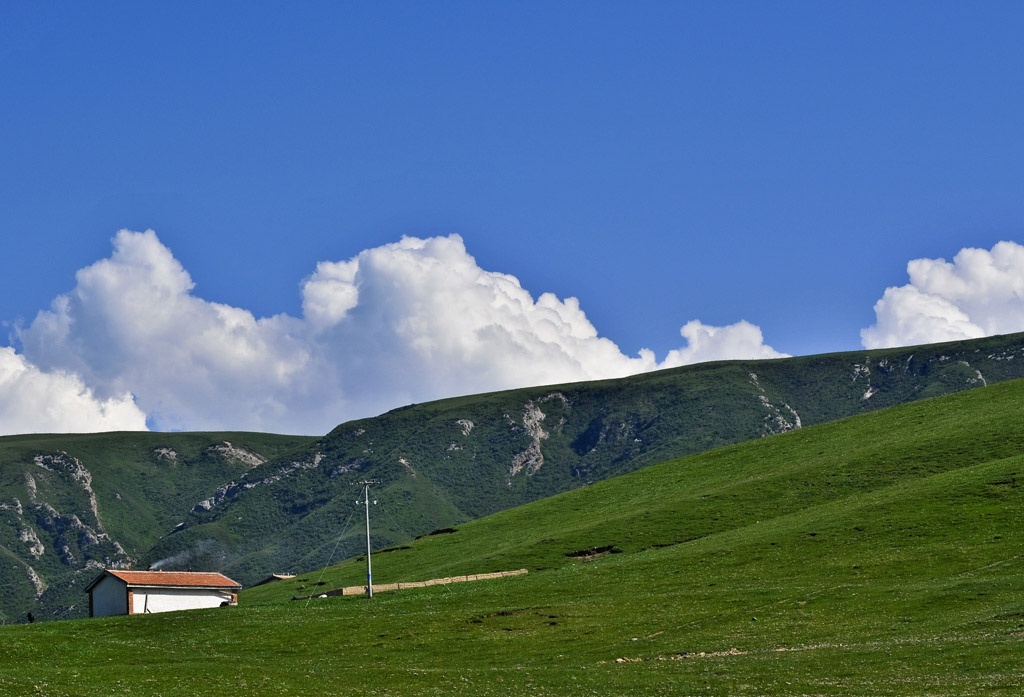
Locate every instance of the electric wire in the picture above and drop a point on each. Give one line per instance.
(408, 537)
(434, 568)
(345, 527)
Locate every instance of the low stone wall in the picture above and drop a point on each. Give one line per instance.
(384, 587)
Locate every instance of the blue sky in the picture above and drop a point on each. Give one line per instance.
(776, 163)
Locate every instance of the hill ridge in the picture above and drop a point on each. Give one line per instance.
(874, 555)
(186, 497)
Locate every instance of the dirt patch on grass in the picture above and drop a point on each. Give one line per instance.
(681, 656)
(593, 553)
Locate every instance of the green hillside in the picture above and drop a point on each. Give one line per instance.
(252, 504)
(877, 555)
(71, 504)
(455, 460)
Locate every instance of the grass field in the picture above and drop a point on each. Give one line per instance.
(104, 498)
(880, 555)
(249, 504)
(447, 462)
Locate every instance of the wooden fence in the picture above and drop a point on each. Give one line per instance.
(384, 587)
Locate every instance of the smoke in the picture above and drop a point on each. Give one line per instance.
(206, 554)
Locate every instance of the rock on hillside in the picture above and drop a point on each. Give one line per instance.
(453, 460)
(73, 504)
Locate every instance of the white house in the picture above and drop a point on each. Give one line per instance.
(118, 592)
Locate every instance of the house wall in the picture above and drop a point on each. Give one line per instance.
(109, 597)
(171, 599)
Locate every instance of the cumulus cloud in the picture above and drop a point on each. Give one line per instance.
(423, 315)
(707, 343)
(32, 401)
(405, 322)
(980, 293)
(132, 324)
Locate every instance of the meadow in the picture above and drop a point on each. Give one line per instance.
(877, 555)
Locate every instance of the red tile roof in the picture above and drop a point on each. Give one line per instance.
(177, 579)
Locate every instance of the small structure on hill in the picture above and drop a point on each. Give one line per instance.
(120, 592)
(274, 577)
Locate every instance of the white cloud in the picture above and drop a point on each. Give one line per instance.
(425, 308)
(980, 293)
(330, 293)
(707, 343)
(32, 401)
(132, 324)
(405, 322)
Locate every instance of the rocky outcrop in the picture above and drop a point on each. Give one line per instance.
(14, 505)
(66, 530)
(234, 488)
(780, 418)
(70, 467)
(233, 453)
(405, 463)
(168, 454)
(30, 538)
(532, 459)
(30, 485)
(37, 582)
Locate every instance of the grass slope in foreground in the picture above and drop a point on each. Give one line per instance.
(451, 461)
(880, 555)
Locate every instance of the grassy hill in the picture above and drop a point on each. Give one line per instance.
(252, 504)
(70, 504)
(455, 460)
(877, 555)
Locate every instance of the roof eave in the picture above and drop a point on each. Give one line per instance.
(184, 588)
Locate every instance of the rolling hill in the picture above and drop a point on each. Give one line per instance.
(252, 504)
(876, 555)
(451, 461)
(71, 504)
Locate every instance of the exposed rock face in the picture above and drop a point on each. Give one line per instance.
(405, 463)
(355, 465)
(89, 537)
(14, 505)
(233, 453)
(466, 425)
(779, 419)
(884, 368)
(232, 489)
(37, 582)
(555, 395)
(65, 529)
(168, 454)
(532, 459)
(979, 378)
(29, 537)
(65, 465)
(30, 484)
(1007, 354)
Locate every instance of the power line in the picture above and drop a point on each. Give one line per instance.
(344, 529)
(366, 499)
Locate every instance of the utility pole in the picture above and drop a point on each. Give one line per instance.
(366, 500)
